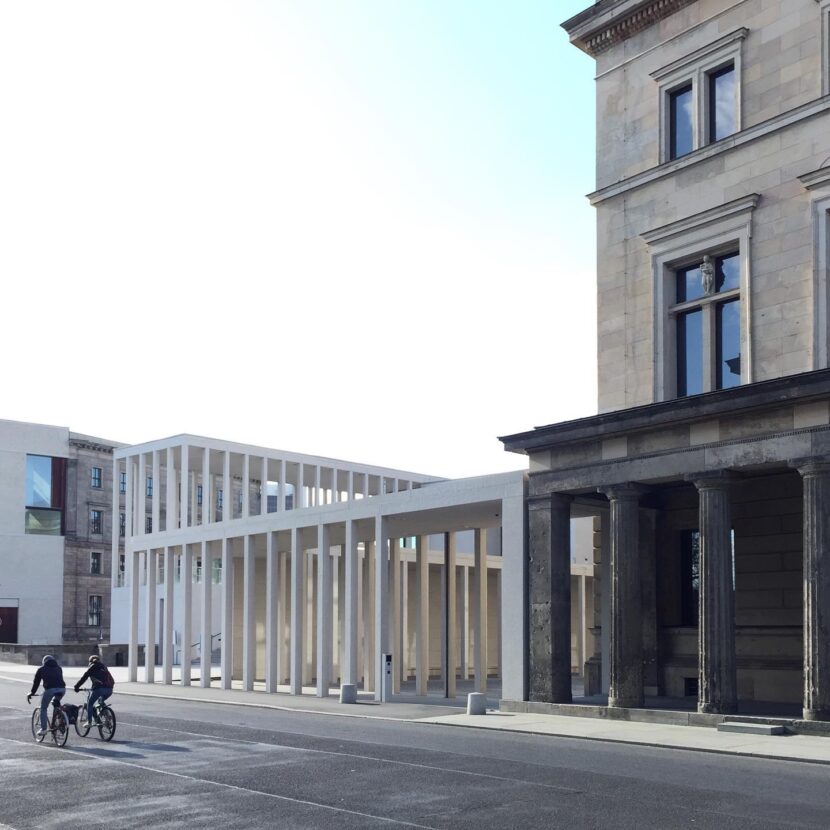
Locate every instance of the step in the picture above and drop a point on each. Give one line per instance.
(752, 728)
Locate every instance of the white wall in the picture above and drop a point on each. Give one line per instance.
(31, 566)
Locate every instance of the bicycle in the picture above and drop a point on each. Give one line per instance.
(58, 726)
(103, 714)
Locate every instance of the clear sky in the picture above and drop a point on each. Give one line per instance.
(353, 228)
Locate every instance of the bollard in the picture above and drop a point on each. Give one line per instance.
(348, 693)
(476, 703)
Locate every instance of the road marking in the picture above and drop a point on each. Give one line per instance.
(359, 757)
(193, 778)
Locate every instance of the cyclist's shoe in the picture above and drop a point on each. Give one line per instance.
(41, 733)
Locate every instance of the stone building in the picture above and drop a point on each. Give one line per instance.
(708, 467)
(56, 516)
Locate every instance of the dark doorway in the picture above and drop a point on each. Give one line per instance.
(8, 625)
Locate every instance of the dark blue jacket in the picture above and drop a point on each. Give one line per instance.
(50, 674)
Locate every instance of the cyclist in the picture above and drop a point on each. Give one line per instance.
(101, 679)
(51, 675)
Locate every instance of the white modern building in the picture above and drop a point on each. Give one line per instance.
(276, 569)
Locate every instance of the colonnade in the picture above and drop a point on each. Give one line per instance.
(321, 604)
(627, 548)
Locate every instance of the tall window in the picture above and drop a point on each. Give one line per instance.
(721, 101)
(122, 569)
(148, 524)
(122, 482)
(216, 570)
(690, 577)
(199, 495)
(681, 122)
(96, 478)
(149, 487)
(707, 313)
(96, 522)
(95, 562)
(94, 613)
(122, 524)
(45, 495)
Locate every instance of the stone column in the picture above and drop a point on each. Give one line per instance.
(296, 649)
(816, 479)
(187, 610)
(421, 615)
(480, 609)
(150, 618)
(325, 600)
(248, 613)
(227, 603)
(549, 590)
(626, 646)
(167, 626)
(205, 660)
(351, 602)
(717, 678)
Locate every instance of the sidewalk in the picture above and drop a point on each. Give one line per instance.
(804, 748)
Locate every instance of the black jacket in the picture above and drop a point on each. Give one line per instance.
(97, 672)
(50, 674)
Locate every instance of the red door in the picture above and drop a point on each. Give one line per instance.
(8, 625)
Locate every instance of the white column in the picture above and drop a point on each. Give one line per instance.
(282, 486)
(273, 632)
(310, 617)
(248, 615)
(150, 619)
(450, 545)
(207, 495)
(381, 604)
(115, 520)
(350, 485)
(464, 612)
(422, 615)
(139, 523)
(368, 611)
(132, 653)
(129, 502)
(171, 518)
(396, 613)
(297, 611)
(513, 599)
(187, 611)
(184, 518)
(167, 642)
(316, 501)
(299, 496)
(227, 604)
(335, 491)
(352, 565)
(227, 489)
(365, 485)
(282, 617)
(263, 487)
(324, 615)
(480, 610)
(246, 486)
(155, 502)
(207, 612)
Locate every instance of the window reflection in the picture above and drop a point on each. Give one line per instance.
(690, 353)
(728, 357)
(722, 103)
(681, 122)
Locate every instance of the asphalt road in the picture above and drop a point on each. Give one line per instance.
(183, 764)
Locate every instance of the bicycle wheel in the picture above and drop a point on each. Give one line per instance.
(81, 723)
(60, 727)
(107, 727)
(36, 725)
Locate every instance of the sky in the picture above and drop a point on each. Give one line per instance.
(349, 228)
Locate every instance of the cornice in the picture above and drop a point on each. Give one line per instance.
(744, 205)
(816, 179)
(609, 22)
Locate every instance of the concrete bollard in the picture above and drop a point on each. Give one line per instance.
(476, 703)
(348, 693)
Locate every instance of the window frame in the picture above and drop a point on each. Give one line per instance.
(716, 231)
(696, 69)
(824, 11)
(96, 478)
(100, 559)
(96, 519)
(122, 482)
(817, 184)
(95, 610)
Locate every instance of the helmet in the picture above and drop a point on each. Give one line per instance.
(93, 659)
(45, 658)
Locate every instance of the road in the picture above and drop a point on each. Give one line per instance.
(185, 764)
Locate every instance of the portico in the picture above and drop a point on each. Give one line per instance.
(710, 521)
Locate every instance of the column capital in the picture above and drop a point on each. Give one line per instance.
(548, 500)
(713, 479)
(624, 491)
(812, 467)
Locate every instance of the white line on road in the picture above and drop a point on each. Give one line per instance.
(304, 802)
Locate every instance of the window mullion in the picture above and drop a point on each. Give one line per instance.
(709, 340)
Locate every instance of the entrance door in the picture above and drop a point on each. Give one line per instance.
(8, 625)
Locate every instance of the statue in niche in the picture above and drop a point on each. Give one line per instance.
(707, 272)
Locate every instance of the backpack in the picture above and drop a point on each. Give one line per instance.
(109, 680)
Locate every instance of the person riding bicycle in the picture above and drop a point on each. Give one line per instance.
(100, 677)
(51, 675)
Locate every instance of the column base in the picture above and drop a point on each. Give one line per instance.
(816, 714)
(625, 703)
